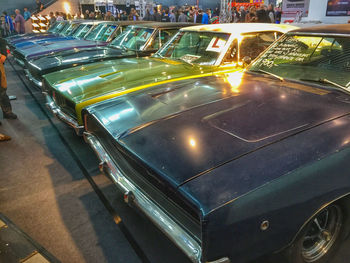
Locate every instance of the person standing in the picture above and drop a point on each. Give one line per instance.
(262, 15)
(205, 18)
(156, 15)
(19, 20)
(99, 15)
(4, 99)
(165, 17)
(38, 6)
(124, 16)
(109, 16)
(26, 14)
(242, 14)
(8, 25)
(172, 16)
(148, 16)
(278, 14)
(271, 13)
(52, 19)
(59, 16)
(182, 17)
(86, 14)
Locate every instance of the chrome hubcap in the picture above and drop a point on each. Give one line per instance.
(322, 232)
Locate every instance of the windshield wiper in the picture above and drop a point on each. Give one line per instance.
(267, 73)
(327, 81)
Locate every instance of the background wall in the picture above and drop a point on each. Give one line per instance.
(10, 5)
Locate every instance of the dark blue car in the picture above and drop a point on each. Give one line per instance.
(75, 30)
(55, 29)
(60, 29)
(235, 166)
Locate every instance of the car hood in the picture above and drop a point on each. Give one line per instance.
(41, 41)
(118, 76)
(22, 38)
(76, 56)
(51, 47)
(219, 123)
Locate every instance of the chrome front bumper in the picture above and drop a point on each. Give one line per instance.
(52, 106)
(133, 195)
(32, 79)
(20, 62)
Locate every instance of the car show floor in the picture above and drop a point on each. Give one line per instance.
(52, 189)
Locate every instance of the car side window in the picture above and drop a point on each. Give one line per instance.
(253, 44)
(231, 55)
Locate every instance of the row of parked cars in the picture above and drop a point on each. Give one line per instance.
(233, 139)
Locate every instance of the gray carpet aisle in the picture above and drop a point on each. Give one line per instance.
(45, 193)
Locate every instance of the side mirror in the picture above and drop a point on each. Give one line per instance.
(246, 60)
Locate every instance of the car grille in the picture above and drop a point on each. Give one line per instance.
(179, 210)
(34, 72)
(65, 105)
(18, 55)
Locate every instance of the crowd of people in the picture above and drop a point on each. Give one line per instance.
(262, 14)
(13, 24)
(242, 14)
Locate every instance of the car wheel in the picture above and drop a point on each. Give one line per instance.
(320, 237)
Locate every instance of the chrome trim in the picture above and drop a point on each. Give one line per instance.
(318, 34)
(164, 222)
(221, 260)
(20, 62)
(32, 79)
(56, 110)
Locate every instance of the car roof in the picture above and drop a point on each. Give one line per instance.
(166, 25)
(242, 28)
(343, 29)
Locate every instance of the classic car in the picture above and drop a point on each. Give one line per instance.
(137, 40)
(65, 32)
(194, 51)
(101, 35)
(54, 30)
(243, 164)
(74, 31)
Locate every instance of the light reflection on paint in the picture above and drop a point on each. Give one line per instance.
(192, 142)
(235, 80)
(116, 116)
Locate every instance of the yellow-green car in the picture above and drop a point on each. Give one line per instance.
(193, 52)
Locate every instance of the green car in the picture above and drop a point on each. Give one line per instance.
(193, 52)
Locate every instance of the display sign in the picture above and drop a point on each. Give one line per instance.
(338, 8)
(294, 10)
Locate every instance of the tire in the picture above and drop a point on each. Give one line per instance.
(320, 237)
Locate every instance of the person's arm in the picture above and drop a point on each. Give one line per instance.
(3, 50)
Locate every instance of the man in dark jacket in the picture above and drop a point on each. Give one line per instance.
(262, 15)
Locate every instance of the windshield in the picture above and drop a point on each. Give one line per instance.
(82, 30)
(308, 58)
(56, 27)
(101, 32)
(70, 29)
(64, 27)
(201, 48)
(133, 38)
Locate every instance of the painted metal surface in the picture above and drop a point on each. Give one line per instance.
(202, 136)
(50, 47)
(96, 82)
(79, 56)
